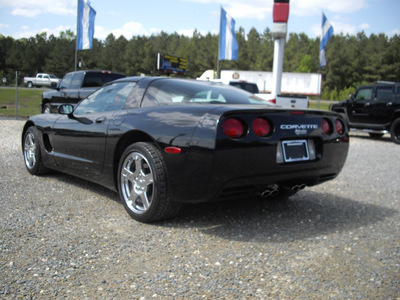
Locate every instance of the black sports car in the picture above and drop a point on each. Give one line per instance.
(160, 142)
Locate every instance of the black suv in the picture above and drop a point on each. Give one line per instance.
(374, 108)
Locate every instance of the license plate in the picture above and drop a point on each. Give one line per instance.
(296, 150)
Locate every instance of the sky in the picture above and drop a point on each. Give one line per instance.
(26, 18)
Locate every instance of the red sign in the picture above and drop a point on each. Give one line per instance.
(280, 12)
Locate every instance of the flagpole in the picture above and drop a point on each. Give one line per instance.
(320, 87)
(76, 42)
(219, 43)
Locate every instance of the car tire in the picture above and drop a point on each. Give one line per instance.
(30, 85)
(142, 184)
(395, 131)
(32, 155)
(47, 108)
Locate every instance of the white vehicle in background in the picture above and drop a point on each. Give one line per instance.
(296, 87)
(41, 79)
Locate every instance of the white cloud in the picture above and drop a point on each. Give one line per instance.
(128, 30)
(312, 7)
(27, 33)
(32, 8)
(393, 32)
(364, 26)
(4, 25)
(261, 9)
(25, 12)
(239, 9)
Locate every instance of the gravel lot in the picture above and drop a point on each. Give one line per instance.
(61, 237)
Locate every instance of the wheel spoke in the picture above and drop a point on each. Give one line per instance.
(30, 151)
(137, 180)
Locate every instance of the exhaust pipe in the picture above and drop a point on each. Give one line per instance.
(298, 187)
(270, 191)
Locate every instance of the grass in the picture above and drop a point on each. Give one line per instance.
(323, 105)
(28, 102)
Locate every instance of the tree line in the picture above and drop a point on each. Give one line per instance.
(351, 60)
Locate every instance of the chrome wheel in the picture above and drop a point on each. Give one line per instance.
(143, 184)
(137, 183)
(30, 150)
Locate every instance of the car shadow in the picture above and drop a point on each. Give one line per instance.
(307, 214)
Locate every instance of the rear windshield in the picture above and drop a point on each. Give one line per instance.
(98, 79)
(170, 92)
(250, 87)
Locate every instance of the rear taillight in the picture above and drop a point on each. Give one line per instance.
(272, 101)
(261, 127)
(233, 128)
(326, 126)
(339, 126)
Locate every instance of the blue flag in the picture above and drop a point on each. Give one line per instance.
(327, 32)
(85, 30)
(228, 46)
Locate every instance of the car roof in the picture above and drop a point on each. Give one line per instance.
(380, 84)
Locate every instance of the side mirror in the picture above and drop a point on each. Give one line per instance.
(66, 109)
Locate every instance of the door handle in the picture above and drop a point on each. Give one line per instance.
(389, 104)
(367, 104)
(100, 120)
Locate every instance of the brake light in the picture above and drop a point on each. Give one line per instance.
(261, 127)
(297, 112)
(339, 126)
(233, 128)
(326, 126)
(272, 101)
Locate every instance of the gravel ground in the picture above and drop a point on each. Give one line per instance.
(62, 237)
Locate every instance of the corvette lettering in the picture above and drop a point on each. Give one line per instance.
(298, 127)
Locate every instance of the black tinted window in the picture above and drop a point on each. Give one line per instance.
(66, 81)
(384, 93)
(77, 80)
(109, 98)
(98, 79)
(364, 94)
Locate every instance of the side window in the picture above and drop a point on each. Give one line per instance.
(76, 80)
(46, 77)
(109, 98)
(66, 81)
(364, 94)
(384, 93)
(39, 76)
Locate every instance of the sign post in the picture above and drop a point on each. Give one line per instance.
(16, 94)
(279, 31)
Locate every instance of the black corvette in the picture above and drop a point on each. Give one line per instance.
(160, 142)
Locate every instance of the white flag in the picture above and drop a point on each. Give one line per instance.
(228, 46)
(85, 30)
(327, 32)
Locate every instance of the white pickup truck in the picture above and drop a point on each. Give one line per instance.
(284, 100)
(41, 79)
